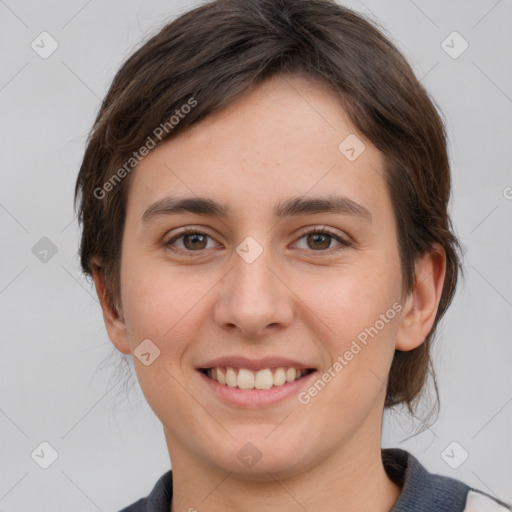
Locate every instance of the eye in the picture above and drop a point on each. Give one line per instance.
(319, 239)
(193, 241)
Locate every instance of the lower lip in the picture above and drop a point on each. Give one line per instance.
(251, 398)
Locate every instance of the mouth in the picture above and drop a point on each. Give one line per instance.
(265, 378)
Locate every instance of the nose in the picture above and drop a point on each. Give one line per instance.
(253, 298)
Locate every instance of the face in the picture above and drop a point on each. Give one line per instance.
(276, 283)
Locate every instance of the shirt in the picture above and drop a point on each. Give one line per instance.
(421, 491)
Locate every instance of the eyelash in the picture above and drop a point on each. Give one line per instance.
(315, 230)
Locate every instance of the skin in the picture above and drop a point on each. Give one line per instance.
(295, 300)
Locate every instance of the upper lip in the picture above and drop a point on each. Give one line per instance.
(254, 364)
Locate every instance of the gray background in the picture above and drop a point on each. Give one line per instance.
(53, 386)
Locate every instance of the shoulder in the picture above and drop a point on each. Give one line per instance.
(425, 491)
(158, 500)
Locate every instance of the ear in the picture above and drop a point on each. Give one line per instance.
(422, 302)
(114, 323)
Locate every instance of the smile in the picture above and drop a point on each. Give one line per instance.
(243, 378)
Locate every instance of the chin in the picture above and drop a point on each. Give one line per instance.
(262, 458)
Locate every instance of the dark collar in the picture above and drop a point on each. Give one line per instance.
(422, 490)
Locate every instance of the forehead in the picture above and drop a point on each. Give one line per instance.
(286, 138)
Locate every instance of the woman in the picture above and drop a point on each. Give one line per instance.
(264, 208)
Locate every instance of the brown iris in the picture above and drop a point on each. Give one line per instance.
(197, 240)
(317, 237)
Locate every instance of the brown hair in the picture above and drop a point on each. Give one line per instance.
(217, 52)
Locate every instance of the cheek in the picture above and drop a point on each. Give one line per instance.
(160, 308)
(347, 300)
(157, 304)
(356, 321)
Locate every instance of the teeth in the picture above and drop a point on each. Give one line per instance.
(248, 379)
(245, 379)
(231, 377)
(220, 377)
(264, 379)
(291, 374)
(279, 377)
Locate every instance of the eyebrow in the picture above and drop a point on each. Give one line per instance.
(290, 207)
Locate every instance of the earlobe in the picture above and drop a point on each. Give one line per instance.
(114, 323)
(422, 302)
